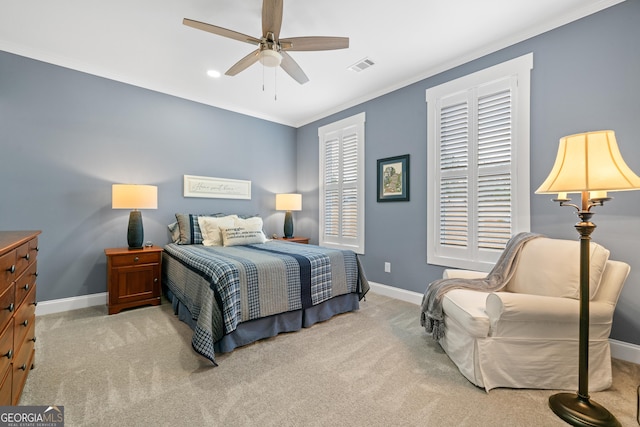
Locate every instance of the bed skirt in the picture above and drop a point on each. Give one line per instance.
(266, 327)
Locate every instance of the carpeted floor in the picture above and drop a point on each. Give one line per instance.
(374, 367)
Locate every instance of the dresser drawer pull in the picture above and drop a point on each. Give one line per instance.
(155, 280)
(23, 367)
(136, 259)
(12, 269)
(8, 354)
(35, 274)
(35, 303)
(25, 323)
(10, 307)
(37, 248)
(27, 256)
(26, 287)
(33, 339)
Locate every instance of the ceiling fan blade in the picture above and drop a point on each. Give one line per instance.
(271, 17)
(314, 43)
(292, 68)
(244, 63)
(220, 31)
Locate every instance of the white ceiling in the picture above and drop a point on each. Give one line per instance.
(144, 43)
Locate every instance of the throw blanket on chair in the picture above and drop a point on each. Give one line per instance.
(432, 316)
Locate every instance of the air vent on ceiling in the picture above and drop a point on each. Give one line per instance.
(361, 65)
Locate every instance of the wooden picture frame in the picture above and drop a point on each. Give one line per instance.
(393, 179)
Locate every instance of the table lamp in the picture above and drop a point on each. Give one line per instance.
(132, 196)
(288, 202)
(589, 164)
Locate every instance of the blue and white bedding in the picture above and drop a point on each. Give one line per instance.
(222, 287)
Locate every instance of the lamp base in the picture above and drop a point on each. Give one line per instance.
(288, 224)
(135, 232)
(579, 411)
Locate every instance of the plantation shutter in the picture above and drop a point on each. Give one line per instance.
(478, 164)
(342, 184)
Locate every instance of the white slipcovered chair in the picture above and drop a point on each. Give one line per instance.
(526, 335)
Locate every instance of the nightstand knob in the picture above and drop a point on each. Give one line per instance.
(12, 269)
(9, 354)
(136, 259)
(25, 323)
(155, 280)
(10, 308)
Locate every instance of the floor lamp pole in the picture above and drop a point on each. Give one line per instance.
(578, 409)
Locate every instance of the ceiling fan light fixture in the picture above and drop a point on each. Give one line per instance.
(270, 58)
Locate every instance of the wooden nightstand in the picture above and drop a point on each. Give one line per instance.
(295, 239)
(133, 277)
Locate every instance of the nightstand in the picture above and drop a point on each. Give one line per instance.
(133, 277)
(295, 239)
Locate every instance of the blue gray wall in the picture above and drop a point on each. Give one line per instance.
(65, 137)
(585, 77)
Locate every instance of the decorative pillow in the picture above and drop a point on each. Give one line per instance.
(190, 233)
(551, 267)
(241, 236)
(210, 228)
(175, 232)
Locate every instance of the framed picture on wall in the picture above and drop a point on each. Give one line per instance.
(393, 179)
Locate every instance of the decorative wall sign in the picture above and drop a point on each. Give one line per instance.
(217, 188)
(393, 179)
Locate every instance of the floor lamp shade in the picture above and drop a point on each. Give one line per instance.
(590, 164)
(133, 196)
(288, 202)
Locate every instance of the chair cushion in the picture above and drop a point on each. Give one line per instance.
(467, 308)
(551, 267)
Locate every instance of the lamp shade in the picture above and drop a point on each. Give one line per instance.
(133, 196)
(589, 162)
(289, 202)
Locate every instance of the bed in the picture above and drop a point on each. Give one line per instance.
(236, 295)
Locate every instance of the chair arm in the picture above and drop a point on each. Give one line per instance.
(515, 307)
(463, 274)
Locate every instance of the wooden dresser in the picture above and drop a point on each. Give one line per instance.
(18, 272)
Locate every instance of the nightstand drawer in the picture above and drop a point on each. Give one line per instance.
(135, 259)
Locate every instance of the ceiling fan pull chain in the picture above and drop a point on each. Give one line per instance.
(275, 84)
(263, 78)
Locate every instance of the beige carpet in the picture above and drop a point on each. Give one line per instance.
(374, 367)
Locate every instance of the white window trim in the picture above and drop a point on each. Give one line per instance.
(357, 244)
(520, 68)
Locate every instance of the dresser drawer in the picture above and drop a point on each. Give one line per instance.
(24, 320)
(5, 387)
(7, 269)
(23, 258)
(21, 366)
(26, 283)
(134, 259)
(6, 348)
(7, 306)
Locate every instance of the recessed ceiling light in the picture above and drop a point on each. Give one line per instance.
(213, 73)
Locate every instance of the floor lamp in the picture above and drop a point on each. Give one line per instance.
(589, 164)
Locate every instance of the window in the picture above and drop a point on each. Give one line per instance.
(342, 184)
(478, 160)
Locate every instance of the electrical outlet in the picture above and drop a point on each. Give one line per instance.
(387, 267)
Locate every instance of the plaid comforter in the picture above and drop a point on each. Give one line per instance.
(253, 281)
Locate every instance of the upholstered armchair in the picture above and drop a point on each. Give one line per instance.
(526, 335)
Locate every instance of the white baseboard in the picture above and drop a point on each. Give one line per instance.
(73, 303)
(619, 349)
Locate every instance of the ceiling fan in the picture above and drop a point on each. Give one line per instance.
(272, 50)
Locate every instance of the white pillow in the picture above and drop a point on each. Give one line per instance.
(210, 228)
(234, 236)
(551, 267)
(253, 223)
